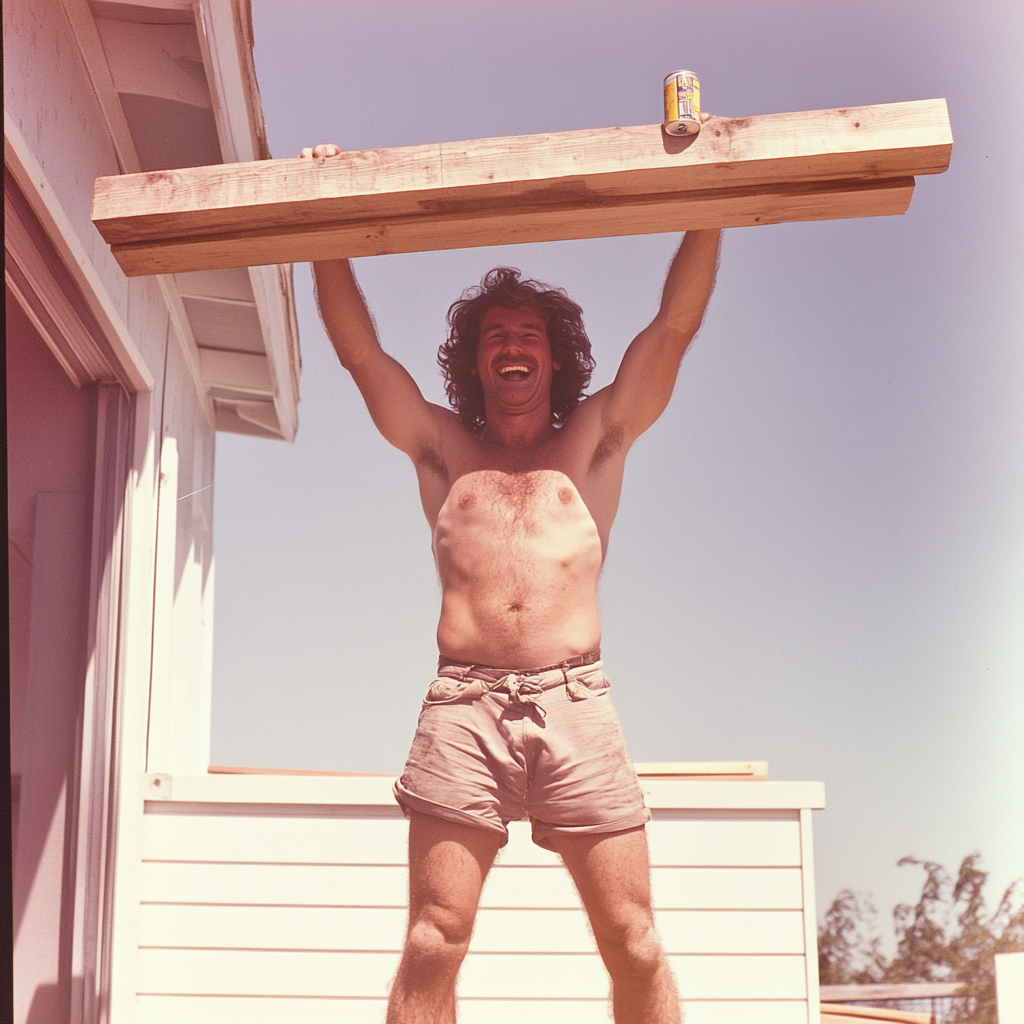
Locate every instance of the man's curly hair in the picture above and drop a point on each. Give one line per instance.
(570, 346)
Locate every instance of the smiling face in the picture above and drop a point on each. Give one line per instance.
(513, 361)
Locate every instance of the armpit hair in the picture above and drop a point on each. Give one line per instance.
(431, 459)
(610, 444)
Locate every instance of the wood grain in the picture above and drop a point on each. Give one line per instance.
(735, 771)
(836, 1013)
(908, 990)
(810, 165)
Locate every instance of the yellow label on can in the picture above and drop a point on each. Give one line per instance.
(682, 103)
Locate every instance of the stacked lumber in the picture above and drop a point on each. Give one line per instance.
(811, 165)
(837, 1013)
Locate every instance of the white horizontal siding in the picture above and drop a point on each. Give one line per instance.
(589, 1011)
(484, 975)
(727, 888)
(694, 840)
(292, 914)
(287, 885)
(372, 886)
(247, 1010)
(276, 839)
(725, 842)
(383, 929)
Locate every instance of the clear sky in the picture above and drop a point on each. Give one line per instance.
(819, 557)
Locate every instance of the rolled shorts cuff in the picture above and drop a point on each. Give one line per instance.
(409, 801)
(543, 831)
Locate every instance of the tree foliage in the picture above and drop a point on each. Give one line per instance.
(948, 935)
(848, 951)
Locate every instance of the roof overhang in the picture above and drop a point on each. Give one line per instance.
(177, 84)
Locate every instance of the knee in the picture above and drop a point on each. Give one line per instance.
(438, 940)
(634, 948)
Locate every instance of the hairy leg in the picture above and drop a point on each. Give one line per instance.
(448, 863)
(612, 872)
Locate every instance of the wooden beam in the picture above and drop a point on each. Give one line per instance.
(838, 1013)
(707, 770)
(812, 165)
(880, 993)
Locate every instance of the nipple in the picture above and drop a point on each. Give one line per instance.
(564, 495)
(467, 500)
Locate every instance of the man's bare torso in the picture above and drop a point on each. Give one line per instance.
(519, 556)
(519, 540)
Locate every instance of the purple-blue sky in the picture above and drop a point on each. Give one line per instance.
(819, 557)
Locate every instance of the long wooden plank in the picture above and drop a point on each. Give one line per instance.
(509, 930)
(727, 208)
(909, 990)
(810, 165)
(721, 770)
(836, 1013)
(541, 976)
(884, 141)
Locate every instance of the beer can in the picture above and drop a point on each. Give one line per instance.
(682, 103)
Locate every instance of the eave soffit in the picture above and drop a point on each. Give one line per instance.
(182, 77)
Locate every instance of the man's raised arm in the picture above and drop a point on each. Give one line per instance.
(398, 408)
(647, 375)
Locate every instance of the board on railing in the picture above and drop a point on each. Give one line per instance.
(810, 165)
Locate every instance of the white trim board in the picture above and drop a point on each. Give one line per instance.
(28, 173)
(376, 791)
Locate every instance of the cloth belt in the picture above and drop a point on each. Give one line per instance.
(523, 685)
(578, 661)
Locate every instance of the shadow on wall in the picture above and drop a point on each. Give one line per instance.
(51, 466)
(49, 1005)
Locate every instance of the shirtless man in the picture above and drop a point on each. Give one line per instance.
(520, 486)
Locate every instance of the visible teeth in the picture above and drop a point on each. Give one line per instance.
(513, 369)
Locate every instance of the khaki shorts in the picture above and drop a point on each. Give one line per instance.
(495, 745)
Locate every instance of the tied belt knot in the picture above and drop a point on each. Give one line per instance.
(463, 680)
(522, 689)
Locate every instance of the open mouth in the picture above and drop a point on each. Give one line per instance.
(514, 371)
